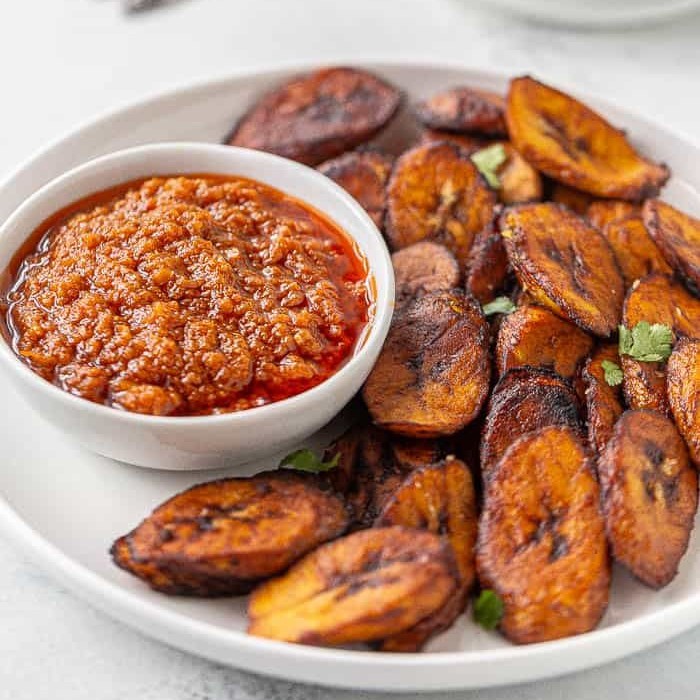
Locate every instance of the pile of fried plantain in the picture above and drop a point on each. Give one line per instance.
(518, 454)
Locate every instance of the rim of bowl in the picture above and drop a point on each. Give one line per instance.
(379, 266)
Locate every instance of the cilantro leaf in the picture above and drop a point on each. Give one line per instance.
(500, 305)
(306, 461)
(488, 609)
(646, 342)
(488, 160)
(613, 373)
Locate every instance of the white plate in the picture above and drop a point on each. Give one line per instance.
(64, 506)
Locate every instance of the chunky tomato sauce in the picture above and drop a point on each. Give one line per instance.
(187, 296)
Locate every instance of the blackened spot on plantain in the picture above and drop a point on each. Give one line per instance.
(165, 535)
(562, 407)
(557, 132)
(560, 547)
(204, 523)
(653, 453)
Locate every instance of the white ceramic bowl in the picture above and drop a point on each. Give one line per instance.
(601, 14)
(203, 441)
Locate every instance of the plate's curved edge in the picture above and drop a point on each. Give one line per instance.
(340, 668)
(177, 90)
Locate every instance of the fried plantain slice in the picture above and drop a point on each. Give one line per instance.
(363, 587)
(487, 266)
(223, 536)
(683, 388)
(603, 401)
(439, 498)
(432, 375)
(368, 471)
(411, 453)
(436, 193)
(467, 142)
(571, 143)
(318, 116)
(635, 251)
(364, 174)
(424, 267)
(649, 495)
(525, 399)
(464, 109)
(534, 336)
(541, 544)
(520, 182)
(564, 264)
(656, 299)
(602, 212)
(678, 236)
(573, 199)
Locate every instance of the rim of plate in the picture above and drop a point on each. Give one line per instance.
(601, 645)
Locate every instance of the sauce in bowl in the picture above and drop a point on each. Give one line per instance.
(190, 295)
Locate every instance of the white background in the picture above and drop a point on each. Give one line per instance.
(63, 61)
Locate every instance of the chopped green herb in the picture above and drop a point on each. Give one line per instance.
(306, 461)
(500, 305)
(488, 160)
(488, 609)
(613, 373)
(646, 342)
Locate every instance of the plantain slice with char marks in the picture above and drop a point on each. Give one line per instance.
(649, 495)
(487, 266)
(364, 174)
(372, 464)
(464, 109)
(221, 537)
(367, 472)
(439, 498)
(602, 212)
(361, 588)
(525, 399)
(678, 236)
(432, 375)
(534, 336)
(683, 388)
(436, 193)
(635, 251)
(603, 401)
(541, 544)
(572, 199)
(424, 267)
(572, 144)
(656, 299)
(318, 116)
(564, 264)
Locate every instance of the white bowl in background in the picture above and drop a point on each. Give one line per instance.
(597, 13)
(203, 442)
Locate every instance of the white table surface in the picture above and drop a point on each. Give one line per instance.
(63, 61)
